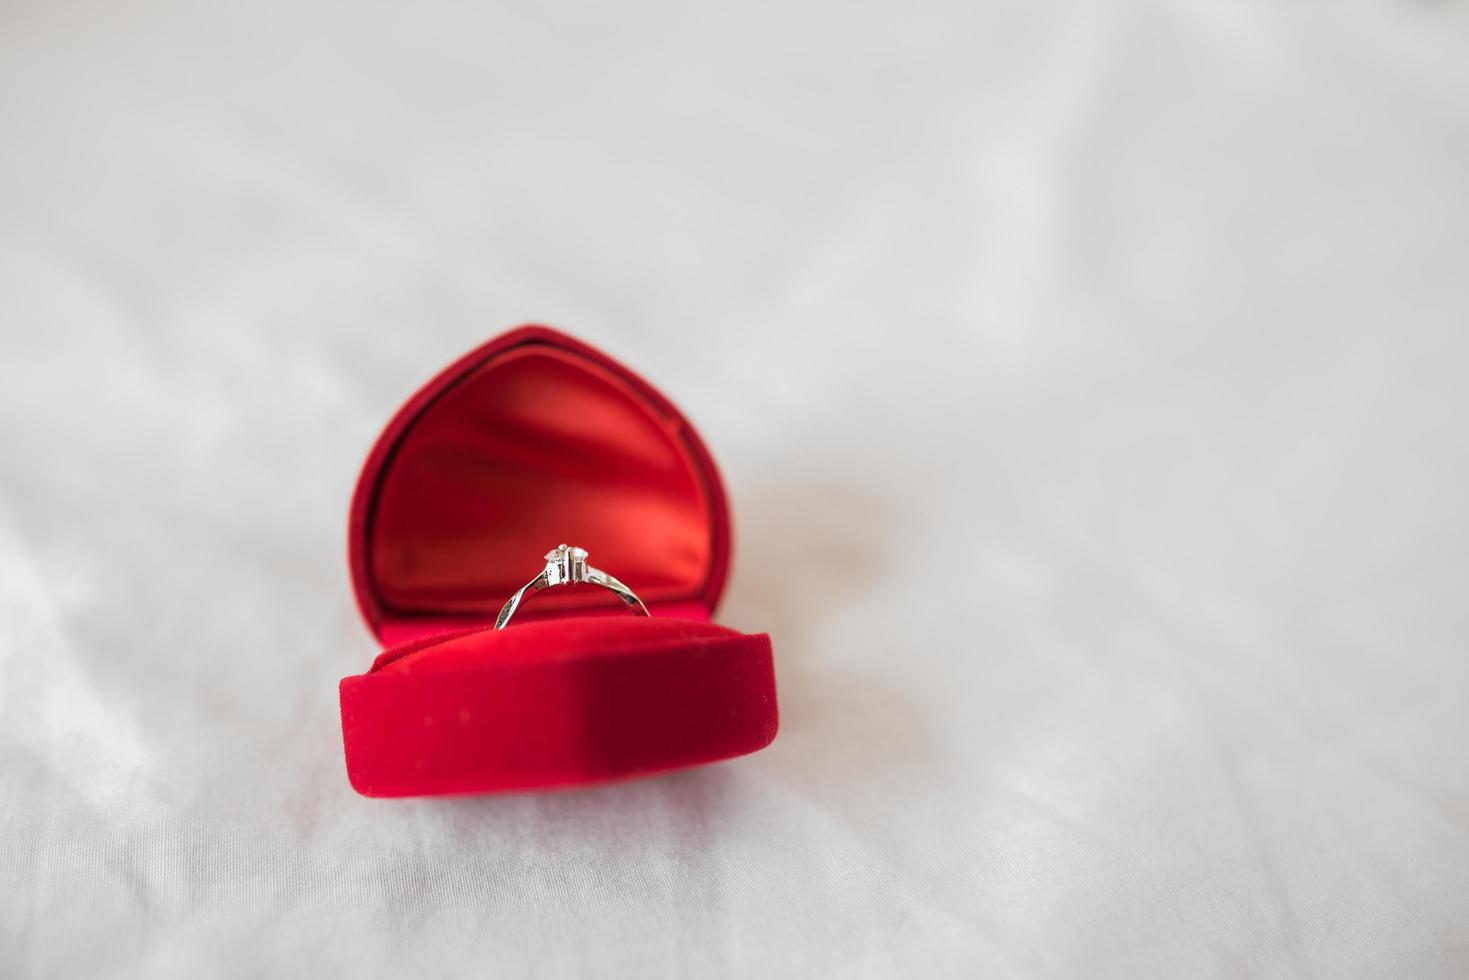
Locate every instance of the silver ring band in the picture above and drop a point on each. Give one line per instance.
(567, 566)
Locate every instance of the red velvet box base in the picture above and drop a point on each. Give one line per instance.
(531, 440)
(556, 704)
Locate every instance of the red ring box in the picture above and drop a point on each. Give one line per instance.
(529, 441)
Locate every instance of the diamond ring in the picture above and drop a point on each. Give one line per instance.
(567, 566)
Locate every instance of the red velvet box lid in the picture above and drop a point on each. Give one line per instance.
(531, 440)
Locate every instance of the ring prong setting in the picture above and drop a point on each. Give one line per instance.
(566, 565)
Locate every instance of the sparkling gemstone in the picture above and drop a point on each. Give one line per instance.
(566, 565)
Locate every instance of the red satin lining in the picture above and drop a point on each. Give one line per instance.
(537, 446)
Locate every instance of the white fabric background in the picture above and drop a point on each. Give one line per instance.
(1089, 379)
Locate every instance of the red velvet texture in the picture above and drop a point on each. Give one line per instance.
(556, 703)
(528, 441)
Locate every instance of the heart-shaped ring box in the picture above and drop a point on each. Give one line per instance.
(533, 440)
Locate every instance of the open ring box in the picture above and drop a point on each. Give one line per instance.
(532, 440)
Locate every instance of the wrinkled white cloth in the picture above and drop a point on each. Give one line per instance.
(1089, 381)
